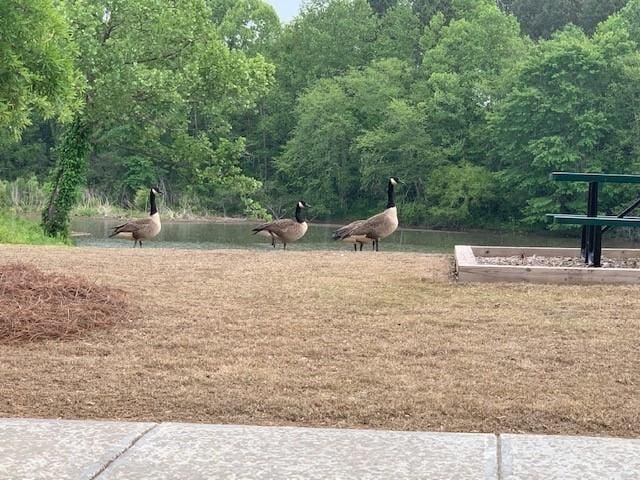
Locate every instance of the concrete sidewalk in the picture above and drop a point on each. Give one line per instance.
(67, 449)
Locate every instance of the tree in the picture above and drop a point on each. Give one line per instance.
(540, 18)
(28, 157)
(318, 162)
(321, 160)
(398, 33)
(326, 39)
(149, 105)
(382, 6)
(37, 55)
(571, 108)
(67, 176)
(248, 25)
(627, 20)
(462, 79)
(426, 9)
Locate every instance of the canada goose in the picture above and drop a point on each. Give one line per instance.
(357, 239)
(374, 228)
(143, 229)
(286, 230)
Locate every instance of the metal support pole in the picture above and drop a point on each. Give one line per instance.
(594, 232)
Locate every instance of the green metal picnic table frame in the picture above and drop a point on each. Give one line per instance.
(592, 224)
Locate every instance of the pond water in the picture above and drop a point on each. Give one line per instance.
(215, 235)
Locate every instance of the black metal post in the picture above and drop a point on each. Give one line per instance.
(594, 232)
(597, 246)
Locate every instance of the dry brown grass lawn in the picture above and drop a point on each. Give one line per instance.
(338, 339)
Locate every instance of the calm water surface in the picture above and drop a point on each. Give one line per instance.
(215, 235)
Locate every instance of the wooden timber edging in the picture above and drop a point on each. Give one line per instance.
(469, 270)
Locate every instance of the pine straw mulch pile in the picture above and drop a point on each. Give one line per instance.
(35, 305)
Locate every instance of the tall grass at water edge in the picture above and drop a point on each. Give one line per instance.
(29, 196)
(23, 195)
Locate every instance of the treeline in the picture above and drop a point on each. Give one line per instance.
(471, 102)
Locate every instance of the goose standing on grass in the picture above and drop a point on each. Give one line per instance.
(143, 229)
(286, 230)
(357, 239)
(374, 228)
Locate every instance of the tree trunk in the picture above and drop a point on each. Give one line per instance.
(68, 175)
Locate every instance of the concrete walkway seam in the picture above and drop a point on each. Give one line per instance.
(126, 449)
(499, 456)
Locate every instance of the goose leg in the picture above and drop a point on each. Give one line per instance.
(284, 245)
(140, 243)
(134, 243)
(355, 247)
(361, 244)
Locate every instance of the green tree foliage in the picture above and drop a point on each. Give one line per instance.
(158, 111)
(248, 25)
(321, 160)
(426, 9)
(391, 119)
(30, 155)
(326, 39)
(226, 107)
(628, 20)
(571, 108)
(37, 73)
(398, 33)
(540, 18)
(464, 72)
(322, 144)
(381, 6)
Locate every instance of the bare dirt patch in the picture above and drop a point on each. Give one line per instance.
(338, 339)
(35, 305)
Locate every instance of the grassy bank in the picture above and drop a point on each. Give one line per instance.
(333, 339)
(18, 230)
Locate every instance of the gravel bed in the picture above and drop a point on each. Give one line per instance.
(540, 261)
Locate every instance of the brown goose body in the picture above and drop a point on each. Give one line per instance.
(342, 234)
(377, 227)
(141, 229)
(374, 228)
(285, 230)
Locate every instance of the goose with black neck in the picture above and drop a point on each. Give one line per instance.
(144, 228)
(285, 230)
(374, 228)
